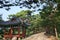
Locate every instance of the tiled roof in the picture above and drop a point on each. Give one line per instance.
(9, 23)
(15, 22)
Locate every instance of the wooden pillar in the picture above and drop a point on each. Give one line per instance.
(4, 34)
(23, 31)
(11, 31)
(19, 31)
(4, 31)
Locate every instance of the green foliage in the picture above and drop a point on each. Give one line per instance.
(36, 21)
(58, 1)
(33, 19)
(46, 17)
(23, 13)
(49, 18)
(45, 12)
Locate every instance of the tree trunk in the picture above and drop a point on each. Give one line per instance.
(47, 30)
(56, 33)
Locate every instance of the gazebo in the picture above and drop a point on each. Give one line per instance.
(14, 27)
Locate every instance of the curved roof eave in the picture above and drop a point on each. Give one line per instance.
(6, 23)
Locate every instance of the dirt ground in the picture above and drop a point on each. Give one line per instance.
(40, 36)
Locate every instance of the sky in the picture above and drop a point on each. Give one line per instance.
(14, 10)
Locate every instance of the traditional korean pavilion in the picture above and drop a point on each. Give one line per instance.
(14, 27)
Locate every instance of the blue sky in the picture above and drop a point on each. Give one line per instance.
(14, 10)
